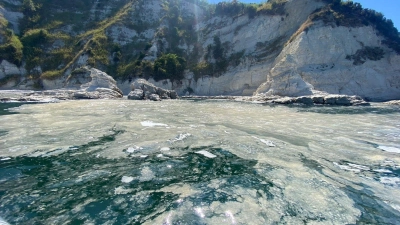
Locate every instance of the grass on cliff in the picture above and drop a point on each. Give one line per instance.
(351, 14)
(367, 52)
(236, 8)
(11, 49)
(272, 7)
(93, 42)
(52, 74)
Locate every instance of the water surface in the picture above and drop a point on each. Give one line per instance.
(199, 162)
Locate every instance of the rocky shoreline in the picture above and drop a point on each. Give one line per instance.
(99, 85)
(328, 99)
(54, 96)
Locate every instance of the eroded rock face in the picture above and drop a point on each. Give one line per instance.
(143, 90)
(98, 85)
(100, 81)
(12, 17)
(321, 61)
(7, 68)
(92, 84)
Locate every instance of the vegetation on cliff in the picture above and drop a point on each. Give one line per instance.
(11, 48)
(352, 14)
(55, 35)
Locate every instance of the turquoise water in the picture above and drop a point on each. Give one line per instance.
(5, 106)
(204, 162)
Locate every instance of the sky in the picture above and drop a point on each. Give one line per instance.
(389, 8)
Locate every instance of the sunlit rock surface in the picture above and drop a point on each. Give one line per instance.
(96, 85)
(142, 90)
(316, 61)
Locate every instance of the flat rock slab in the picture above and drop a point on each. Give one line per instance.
(57, 95)
(342, 100)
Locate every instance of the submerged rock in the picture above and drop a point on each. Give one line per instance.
(144, 90)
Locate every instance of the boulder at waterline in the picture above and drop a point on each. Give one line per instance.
(143, 90)
(99, 85)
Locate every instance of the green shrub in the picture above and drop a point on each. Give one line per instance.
(3, 23)
(35, 38)
(251, 11)
(272, 7)
(33, 42)
(58, 57)
(236, 58)
(130, 70)
(202, 69)
(366, 53)
(169, 66)
(217, 49)
(235, 8)
(12, 50)
(135, 68)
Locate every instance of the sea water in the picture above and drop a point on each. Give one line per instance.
(198, 162)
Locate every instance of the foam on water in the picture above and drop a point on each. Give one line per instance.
(152, 124)
(219, 162)
(267, 142)
(180, 137)
(3, 222)
(390, 149)
(394, 181)
(146, 174)
(127, 179)
(133, 149)
(163, 149)
(206, 154)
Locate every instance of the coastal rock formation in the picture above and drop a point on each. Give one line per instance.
(101, 82)
(143, 90)
(320, 60)
(342, 100)
(280, 47)
(338, 100)
(99, 85)
(136, 94)
(7, 69)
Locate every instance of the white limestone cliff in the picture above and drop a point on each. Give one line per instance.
(275, 59)
(316, 62)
